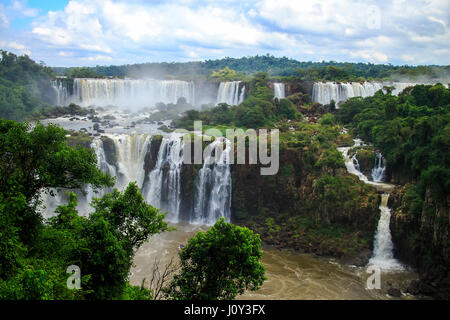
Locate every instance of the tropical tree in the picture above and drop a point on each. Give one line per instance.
(219, 264)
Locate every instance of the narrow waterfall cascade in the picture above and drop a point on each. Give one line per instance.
(379, 168)
(352, 164)
(124, 156)
(383, 256)
(279, 90)
(213, 185)
(61, 92)
(164, 188)
(134, 93)
(231, 92)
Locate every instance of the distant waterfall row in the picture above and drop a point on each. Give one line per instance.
(324, 92)
(129, 158)
(131, 93)
(231, 92)
(140, 93)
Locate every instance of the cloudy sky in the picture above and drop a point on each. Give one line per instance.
(104, 32)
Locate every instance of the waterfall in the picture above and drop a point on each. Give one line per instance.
(324, 92)
(125, 156)
(352, 163)
(279, 90)
(61, 91)
(164, 188)
(213, 185)
(379, 168)
(383, 256)
(130, 92)
(231, 92)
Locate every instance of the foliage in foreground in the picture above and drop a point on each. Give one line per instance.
(219, 264)
(34, 255)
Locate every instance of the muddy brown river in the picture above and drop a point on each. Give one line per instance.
(291, 275)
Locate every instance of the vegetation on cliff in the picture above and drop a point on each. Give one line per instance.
(35, 254)
(413, 133)
(24, 86)
(312, 189)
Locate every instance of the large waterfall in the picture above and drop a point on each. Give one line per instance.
(279, 90)
(128, 157)
(324, 92)
(130, 92)
(231, 92)
(383, 256)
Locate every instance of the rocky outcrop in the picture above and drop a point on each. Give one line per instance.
(79, 139)
(152, 154)
(110, 150)
(304, 216)
(366, 158)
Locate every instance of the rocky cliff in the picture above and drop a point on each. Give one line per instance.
(420, 231)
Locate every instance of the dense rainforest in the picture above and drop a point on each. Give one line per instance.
(413, 133)
(281, 67)
(312, 205)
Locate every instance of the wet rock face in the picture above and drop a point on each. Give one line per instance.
(152, 154)
(394, 292)
(110, 150)
(366, 159)
(421, 239)
(293, 194)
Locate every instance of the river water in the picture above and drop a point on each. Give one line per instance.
(291, 275)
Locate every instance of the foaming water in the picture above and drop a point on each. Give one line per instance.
(324, 92)
(231, 92)
(383, 256)
(279, 90)
(291, 275)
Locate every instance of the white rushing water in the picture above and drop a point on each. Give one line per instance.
(162, 186)
(61, 92)
(379, 168)
(231, 92)
(279, 90)
(324, 92)
(383, 256)
(134, 93)
(213, 186)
